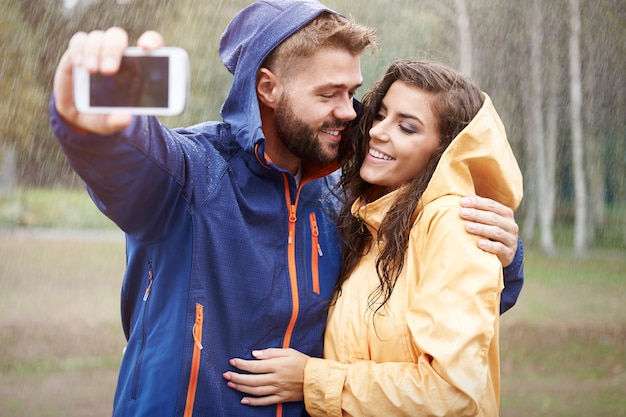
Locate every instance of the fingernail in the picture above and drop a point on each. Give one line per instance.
(257, 353)
(471, 227)
(465, 200)
(465, 212)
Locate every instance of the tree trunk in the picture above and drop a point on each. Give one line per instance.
(580, 189)
(552, 117)
(594, 147)
(465, 37)
(537, 133)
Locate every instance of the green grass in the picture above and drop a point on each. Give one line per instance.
(61, 339)
(565, 289)
(563, 346)
(51, 208)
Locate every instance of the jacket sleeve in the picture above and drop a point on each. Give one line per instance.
(134, 177)
(452, 317)
(513, 279)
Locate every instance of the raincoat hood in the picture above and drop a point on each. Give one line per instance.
(479, 161)
(247, 41)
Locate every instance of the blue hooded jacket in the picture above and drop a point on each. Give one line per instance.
(225, 253)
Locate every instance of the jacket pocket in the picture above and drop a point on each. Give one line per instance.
(144, 332)
(316, 253)
(196, 333)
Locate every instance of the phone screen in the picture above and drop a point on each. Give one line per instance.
(140, 82)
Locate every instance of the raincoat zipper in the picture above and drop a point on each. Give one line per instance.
(196, 333)
(316, 253)
(291, 252)
(293, 276)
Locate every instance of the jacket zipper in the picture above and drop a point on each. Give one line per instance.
(291, 252)
(293, 277)
(316, 253)
(144, 330)
(196, 333)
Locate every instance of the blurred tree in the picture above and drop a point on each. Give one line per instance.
(578, 161)
(607, 21)
(464, 36)
(501, 57)
(34, 33)
(200, 35)
(540, 196)
(552, 80)
(603, 73)
(23, 107)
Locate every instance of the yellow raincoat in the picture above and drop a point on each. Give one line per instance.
(433, 349)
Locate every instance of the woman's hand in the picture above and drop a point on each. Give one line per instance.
(276, 376)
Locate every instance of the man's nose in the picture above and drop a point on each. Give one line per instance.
(345, 110)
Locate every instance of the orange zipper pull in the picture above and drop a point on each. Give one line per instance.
(315, 231)
(292, 213)
(292, 220)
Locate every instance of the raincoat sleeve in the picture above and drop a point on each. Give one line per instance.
(452, 316)
(513, 279)
(134, 177)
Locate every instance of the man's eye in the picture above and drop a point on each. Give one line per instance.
(328, 95)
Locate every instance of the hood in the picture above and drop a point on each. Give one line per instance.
(479, 160)
(249, 38)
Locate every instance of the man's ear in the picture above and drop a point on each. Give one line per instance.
(268, 88)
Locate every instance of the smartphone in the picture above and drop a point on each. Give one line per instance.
(153, 83)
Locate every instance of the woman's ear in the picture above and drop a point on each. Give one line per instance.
(268, 88)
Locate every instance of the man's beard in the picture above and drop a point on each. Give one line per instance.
(299, 138)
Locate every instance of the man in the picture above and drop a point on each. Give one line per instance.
(229, 225)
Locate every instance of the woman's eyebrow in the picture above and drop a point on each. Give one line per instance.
(412, 117)
(403, 115)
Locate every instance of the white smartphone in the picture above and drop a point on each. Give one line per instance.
(153, 83)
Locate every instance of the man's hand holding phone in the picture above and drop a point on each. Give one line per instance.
(100, 53)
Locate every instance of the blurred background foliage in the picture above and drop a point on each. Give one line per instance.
(496, 47)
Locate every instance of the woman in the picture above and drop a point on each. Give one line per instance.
(414, 327)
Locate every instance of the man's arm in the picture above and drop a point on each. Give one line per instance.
(513, 279)
(496, 225)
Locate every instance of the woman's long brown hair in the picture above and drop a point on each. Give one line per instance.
(455, 101)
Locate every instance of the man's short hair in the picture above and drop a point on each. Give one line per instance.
(326, 30)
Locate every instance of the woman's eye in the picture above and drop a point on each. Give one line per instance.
(407, 129)
(379, 117)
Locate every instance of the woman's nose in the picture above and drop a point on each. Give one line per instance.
(379, 131)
